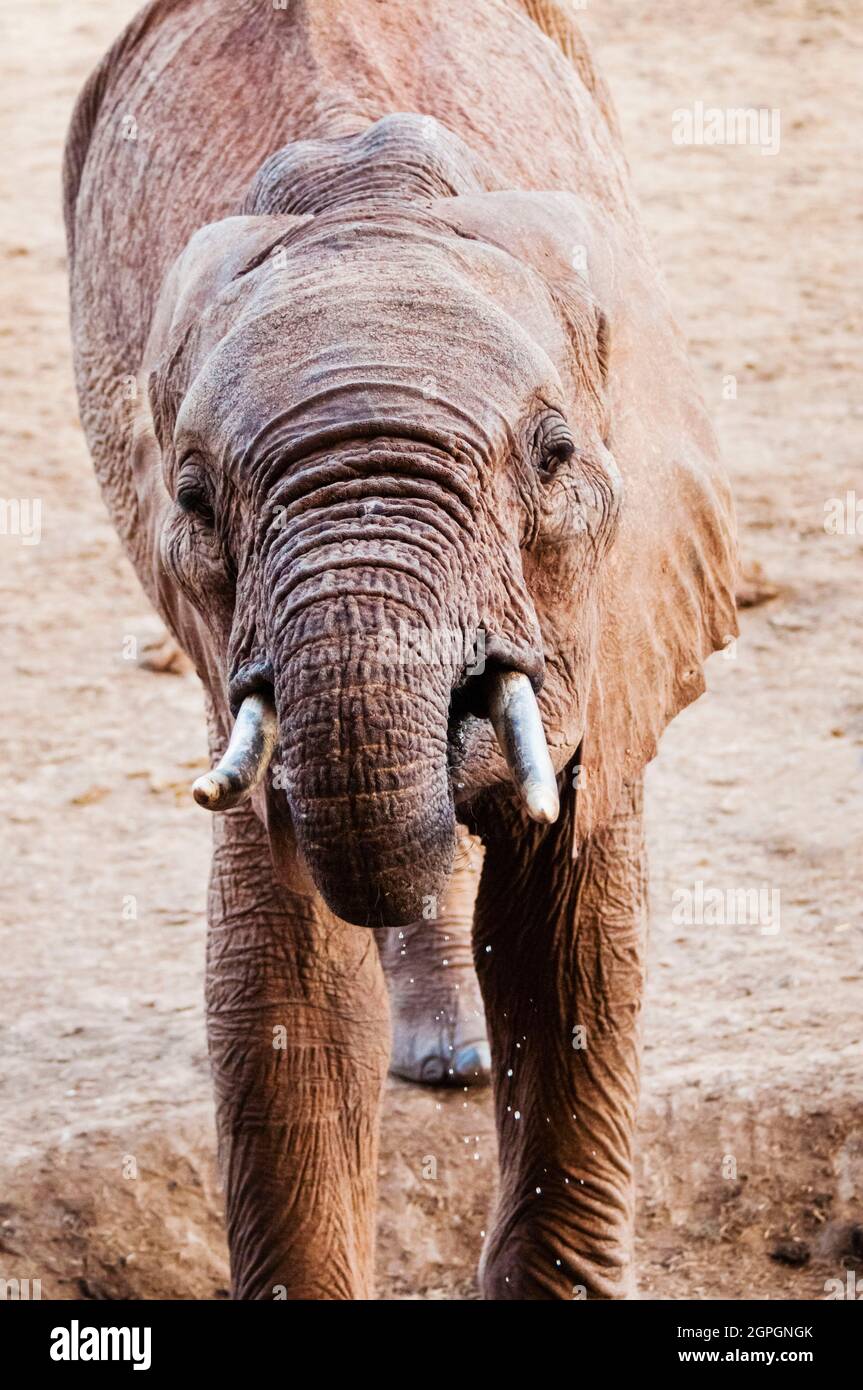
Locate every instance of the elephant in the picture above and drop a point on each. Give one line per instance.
(396, 426)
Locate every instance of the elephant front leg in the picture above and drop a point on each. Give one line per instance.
(298, 1032)
(438, 1023)
(560, 955)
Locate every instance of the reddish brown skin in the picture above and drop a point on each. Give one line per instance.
(340, 276)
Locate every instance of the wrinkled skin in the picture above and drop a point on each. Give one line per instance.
(368, 341)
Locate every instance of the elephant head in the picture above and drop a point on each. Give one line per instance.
(429, 453)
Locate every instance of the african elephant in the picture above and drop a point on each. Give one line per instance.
(369, 344)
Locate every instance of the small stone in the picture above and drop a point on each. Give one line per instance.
(791, 1252)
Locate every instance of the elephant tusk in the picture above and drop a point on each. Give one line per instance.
(244, 761)
(516, 720)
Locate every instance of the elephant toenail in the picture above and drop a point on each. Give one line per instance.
(473, 1064)
(433, 1070)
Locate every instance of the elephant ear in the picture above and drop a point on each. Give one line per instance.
(666, 586)
(210, 268)
(212, 261)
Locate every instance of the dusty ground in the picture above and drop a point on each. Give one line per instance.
(751, 1130)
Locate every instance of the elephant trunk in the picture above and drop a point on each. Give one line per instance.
(363, 734)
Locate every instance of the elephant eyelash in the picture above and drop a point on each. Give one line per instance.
(553, 445)
(197, 507)
(194, 494)
(559, 452)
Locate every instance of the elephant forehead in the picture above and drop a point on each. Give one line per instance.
(307, 339)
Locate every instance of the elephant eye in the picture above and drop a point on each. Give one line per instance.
(559, 451)
(553, 443)
(194, 492)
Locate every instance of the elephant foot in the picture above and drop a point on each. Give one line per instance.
(438, 1021)
(448, 1052)
(558, 1258)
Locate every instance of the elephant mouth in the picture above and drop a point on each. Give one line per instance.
(477, 741)
(497, 711)
(378, 844)
(469, 741)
